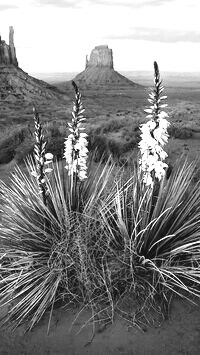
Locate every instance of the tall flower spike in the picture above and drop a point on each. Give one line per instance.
(75, 152)
(154, 134)
(41, 158)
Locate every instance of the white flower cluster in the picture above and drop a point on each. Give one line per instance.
(42, 161)
(76, 151)
(75, 154)
(154, 135)
(48, 162)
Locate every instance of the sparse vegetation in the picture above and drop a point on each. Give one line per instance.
(115, 137)
(178, 131)
(11, 140)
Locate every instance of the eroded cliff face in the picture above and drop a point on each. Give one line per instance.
(16, 85)
(7, 51)
(101, 56)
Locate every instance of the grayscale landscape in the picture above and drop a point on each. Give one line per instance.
(99, 261)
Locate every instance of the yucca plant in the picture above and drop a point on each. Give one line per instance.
(155, 231)
(51, 247)
(48, 252)
(96, 236)
(159, 240)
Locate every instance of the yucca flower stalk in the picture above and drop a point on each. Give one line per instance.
(154, 134)
(76, 143)
(75, 151)
(42, 158)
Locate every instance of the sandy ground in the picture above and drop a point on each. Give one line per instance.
(180, 334)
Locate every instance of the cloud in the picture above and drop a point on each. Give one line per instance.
(4, 7)
(135, 4)
(160, 35)
(77, 3)
(56, 3)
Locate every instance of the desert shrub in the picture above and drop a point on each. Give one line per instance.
(54, 132)
(131, 132)
(6, 154)
(180, 132)
(104, 146)
(24, 149)
(99, 145)
(113, 125)
(55, 129)
(118, 148)
(11, 141)
(127, 126)
(99, 140)
(19, 143)
(55, 146)
(115, 148)
(129, 145)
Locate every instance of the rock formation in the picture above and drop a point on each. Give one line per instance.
(99, 71)
(101, 57)
(15, 84)
(8, 52)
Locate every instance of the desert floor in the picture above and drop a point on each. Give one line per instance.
(180, 334)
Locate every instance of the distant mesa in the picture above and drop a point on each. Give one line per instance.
(99, 71)
(101, 57)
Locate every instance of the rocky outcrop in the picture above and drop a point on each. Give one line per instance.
(99, 72)
(13, 57)
(15, 84)
(8, 52)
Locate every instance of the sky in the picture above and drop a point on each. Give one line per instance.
(56, 35)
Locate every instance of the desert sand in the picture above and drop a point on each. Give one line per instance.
(179, 334)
